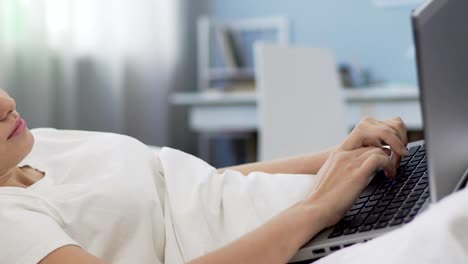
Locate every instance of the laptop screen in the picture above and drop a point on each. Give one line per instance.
(441, 36)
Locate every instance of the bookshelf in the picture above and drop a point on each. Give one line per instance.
(225, 49)
(225, 55)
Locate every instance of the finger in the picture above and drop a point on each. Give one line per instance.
(372, 141)
(387, 151)
(371, 151)
(390, 137)
(356, 153)
(400, 127)
(375, 162)
(396, 159)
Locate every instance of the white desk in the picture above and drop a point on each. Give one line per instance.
(211, 113)
(218, 112)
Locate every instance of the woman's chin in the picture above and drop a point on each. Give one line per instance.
(26, 143)
(30, 140)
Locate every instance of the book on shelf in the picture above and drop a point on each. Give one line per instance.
(229, 48)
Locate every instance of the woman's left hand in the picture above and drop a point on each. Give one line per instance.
(374, 133)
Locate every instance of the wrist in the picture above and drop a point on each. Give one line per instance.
(314, 212)
(322, 209)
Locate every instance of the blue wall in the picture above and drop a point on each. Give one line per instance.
(356, 30)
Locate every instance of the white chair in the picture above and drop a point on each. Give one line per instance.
(300, 103)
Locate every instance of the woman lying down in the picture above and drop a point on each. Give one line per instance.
(86, 197)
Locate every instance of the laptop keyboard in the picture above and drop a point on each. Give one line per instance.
(389, 202)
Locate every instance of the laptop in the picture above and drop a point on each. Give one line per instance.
(435, 167)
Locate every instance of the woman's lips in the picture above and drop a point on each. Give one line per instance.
(20, 125)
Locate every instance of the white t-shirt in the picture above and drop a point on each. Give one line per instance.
(103, 192)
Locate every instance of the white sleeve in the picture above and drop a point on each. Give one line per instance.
(27, 236)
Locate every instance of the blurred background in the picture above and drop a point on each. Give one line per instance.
(230, 81)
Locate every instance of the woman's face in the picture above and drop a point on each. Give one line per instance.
(16, 141)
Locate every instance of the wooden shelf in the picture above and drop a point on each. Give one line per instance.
(221, 74)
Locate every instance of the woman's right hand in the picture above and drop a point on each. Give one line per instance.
(343, 177)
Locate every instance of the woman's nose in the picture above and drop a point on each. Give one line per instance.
(7, 104)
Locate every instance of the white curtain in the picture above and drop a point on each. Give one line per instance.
(105, 65)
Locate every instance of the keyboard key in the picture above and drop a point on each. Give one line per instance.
(394, 205)
(379, 209)
(409, 185)
(391, 211)
(383, 203)
(404, 163)
(372, 219)
(421, 186)
(398, 184)
(416, 208)
(350, 231)
(352, 212)
(412, 199)
(371, 203)
(421, 202)
(408, 205)
(399, 181)
(386, 218)
(406, 175)
(358, 221)
(357, 206)
(361, 200)
(385, 185)
(402, 213)
(410, 181)
(425, 195)
(422, 166)
(422, 181)
(421, 169)
(365, 228)
(413, 150)
(380, 191)
(416, 175)
(410, 168)
(406, 188)
(376, 197)
(406, 158)
(413, 214)
(396, 222)
(381, 225)
(419, 155)
(366, 210)
(388, 197)
(399, 199)
(339, 228)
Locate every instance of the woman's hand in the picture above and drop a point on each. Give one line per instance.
(343, 177)
(371, 132)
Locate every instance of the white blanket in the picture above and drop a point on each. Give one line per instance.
(205, 210)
